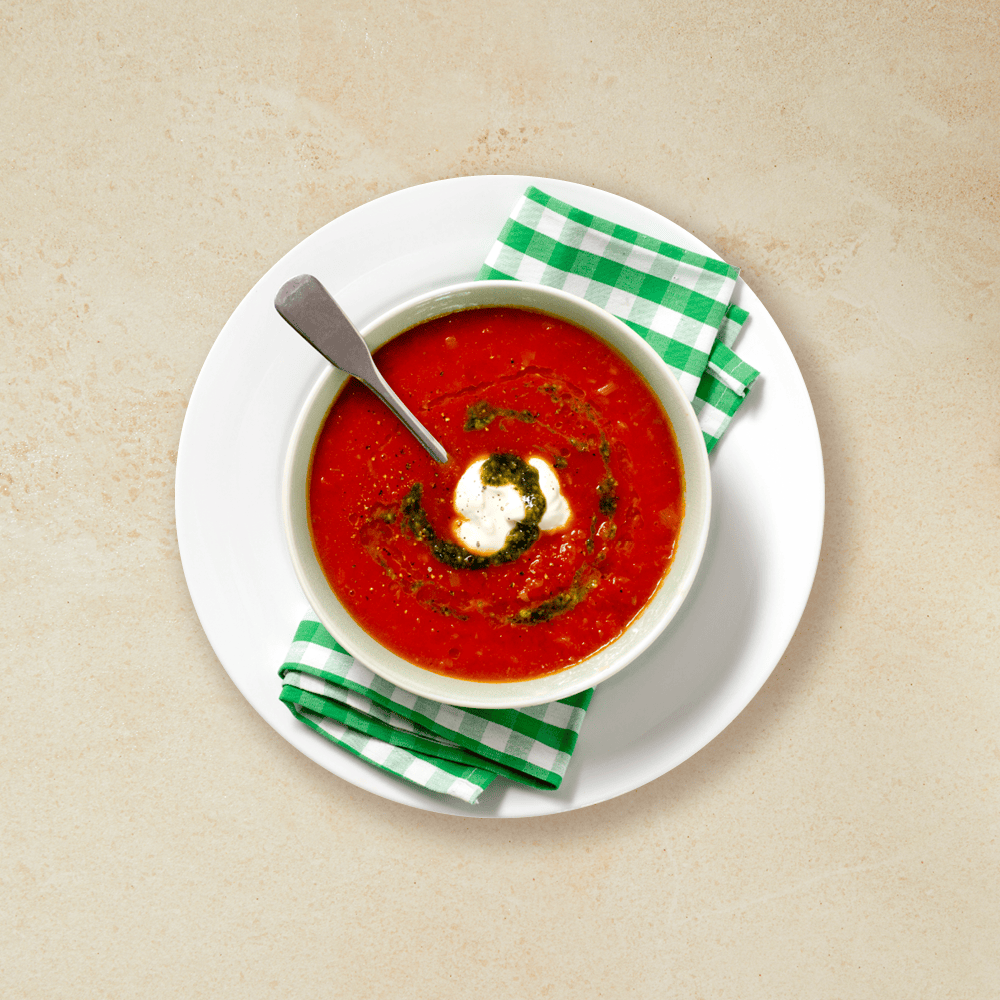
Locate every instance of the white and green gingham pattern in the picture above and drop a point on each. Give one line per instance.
(457, 751)
(679, 301)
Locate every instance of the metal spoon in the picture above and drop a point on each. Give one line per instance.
(309, 309)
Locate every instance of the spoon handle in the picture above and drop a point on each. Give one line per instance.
(309, 309)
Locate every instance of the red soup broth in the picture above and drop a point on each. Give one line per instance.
(498, 381)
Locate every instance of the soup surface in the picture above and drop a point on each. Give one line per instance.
(520, 390)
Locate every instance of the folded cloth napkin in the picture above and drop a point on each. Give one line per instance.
(458, 751)
(677, 300)
(680, 303)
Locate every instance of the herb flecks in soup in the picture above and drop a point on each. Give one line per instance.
(554, 440)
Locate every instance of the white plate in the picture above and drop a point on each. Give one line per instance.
(763, 546)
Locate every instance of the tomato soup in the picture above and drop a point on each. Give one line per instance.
(518, 391)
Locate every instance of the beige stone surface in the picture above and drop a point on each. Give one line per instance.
(838, 840)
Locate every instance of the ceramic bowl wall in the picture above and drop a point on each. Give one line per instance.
(640, 633)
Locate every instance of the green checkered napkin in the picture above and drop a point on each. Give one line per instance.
(679, 302)
(458, 751)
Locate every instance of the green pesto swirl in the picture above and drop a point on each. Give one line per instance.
(497, 470)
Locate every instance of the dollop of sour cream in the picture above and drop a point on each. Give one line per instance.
(487, 513)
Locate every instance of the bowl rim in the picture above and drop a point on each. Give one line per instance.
(608, 660)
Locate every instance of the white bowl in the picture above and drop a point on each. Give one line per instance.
(648, 624)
